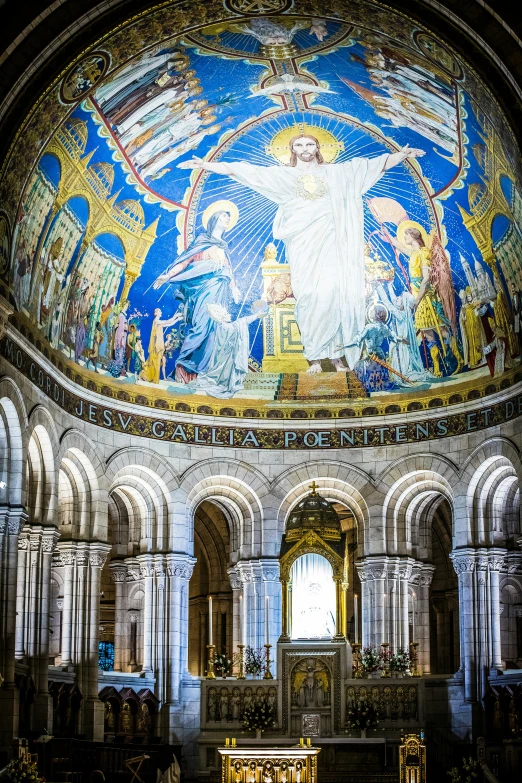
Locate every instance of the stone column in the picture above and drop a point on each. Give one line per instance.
(43, 714)
(11, 522)
(119, 577)
(421, 579)
(374, 571)
(477, 570)
(147, 574)
(66, 557)
(23, 548)
(236, 585)
(179, 569)
(259, 579)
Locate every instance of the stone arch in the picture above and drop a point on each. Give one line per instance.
(238, 489)
(13, 444)
(337, 481)
(414, 487)
(82, 470)
(492, 475)
(42, 450)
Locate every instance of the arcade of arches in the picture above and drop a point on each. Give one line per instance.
(314, 510)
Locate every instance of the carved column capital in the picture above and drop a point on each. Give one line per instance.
(118, 571)
(180, 565)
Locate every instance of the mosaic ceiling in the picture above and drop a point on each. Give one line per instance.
(270, 203)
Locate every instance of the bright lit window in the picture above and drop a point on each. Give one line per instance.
(313, 598)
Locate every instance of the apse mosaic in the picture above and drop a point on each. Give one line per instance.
(270, 202)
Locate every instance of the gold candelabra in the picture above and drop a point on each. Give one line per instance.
(241, 660)
(268, 674)
(414, 668)
(386, 661)
(357, 661)
(211, 653)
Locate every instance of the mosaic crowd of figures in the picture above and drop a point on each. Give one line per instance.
(227, 704)
(392, 703)
(504, 711)
(128, 714)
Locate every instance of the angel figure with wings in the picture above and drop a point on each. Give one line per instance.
(435, 312)
(311, 684)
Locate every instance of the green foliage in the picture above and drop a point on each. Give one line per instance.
(23, 771)
(254, 661)
(466, 773)
(222, 664)
(362, 716)
(258, 716)
(370, 659)
(400, 661)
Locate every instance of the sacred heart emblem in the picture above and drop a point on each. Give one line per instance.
(310, 187)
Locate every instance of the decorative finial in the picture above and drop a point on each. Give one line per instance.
(313, 487)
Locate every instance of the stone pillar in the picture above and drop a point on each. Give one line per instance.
(236, 585)
(421, 578)
(259, 579)
(119, 577)
(179, 569)
(23, 546)
(43, 713)
(373, 572)
(479, 611)
(147, 574)
(11, 522)
(66, 557)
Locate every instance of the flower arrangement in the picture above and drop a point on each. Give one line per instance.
(370, 659)
(466, 773)
(362, 716)
(258, 716)
(23, 770)
(400, 661)
(222, 665)
(254, 661)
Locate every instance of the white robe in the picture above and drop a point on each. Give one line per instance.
(324, 241)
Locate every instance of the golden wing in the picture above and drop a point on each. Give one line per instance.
(299, 678)
(442, 281)
(323, 679)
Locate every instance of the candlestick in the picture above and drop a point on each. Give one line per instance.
(210, 620)
(385, 671)
(240, 660)
(210, 672)
(413, 617)
(268, 674)
(415, 671)
(356, 614)
(357, 661)
(385, 635)
(267, 621)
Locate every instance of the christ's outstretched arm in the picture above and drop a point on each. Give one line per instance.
(199, 163)
(398, 157)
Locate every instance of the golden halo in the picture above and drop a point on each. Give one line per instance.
(278, 147)
(404, 225)
(221, 206)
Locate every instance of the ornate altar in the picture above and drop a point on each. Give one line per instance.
(297, 764)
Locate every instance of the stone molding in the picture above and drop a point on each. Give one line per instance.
(377, 567)
(172, 564)
(480, 559)
(251, 571)
(81, 553)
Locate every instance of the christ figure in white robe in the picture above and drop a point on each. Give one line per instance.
(320, 219)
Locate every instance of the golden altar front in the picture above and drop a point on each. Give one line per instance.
(295, 764)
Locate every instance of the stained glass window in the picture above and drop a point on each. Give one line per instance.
(106, 656)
